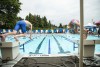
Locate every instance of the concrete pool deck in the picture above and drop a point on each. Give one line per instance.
(43, 58)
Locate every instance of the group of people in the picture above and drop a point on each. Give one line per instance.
(22, 24)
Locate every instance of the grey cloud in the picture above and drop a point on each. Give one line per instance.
(61, 11)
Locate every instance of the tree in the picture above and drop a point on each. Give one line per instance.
(9, 10)
(65, 26)
(39, 23)
(45, 22)
(49, 25)
(19, 18)
(60, 26)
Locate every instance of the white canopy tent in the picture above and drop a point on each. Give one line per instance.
(90, 25)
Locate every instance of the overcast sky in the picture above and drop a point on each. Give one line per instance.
(61, 11)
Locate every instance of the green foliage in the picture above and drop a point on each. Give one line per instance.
(39, 22)
(65, 26)
(8, 16)
(8, 11)
(60, 26)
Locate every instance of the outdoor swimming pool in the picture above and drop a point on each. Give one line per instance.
(51, 43)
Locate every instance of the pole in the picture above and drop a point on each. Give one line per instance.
(81, 34)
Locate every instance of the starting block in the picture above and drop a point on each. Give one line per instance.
(9, 50)
(88, 48)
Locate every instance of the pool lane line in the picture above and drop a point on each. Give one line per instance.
(68, 39)
(59, 46)
(39, 46)
(28, 41)
(23, 44)
(71, 42)
(49, 48)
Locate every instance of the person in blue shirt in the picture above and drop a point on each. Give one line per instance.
(21, 24)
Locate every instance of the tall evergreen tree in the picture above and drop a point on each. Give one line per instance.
(45, 22)
(38, 22)
(60, 25)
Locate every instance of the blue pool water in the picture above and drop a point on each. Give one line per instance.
(51, 43)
